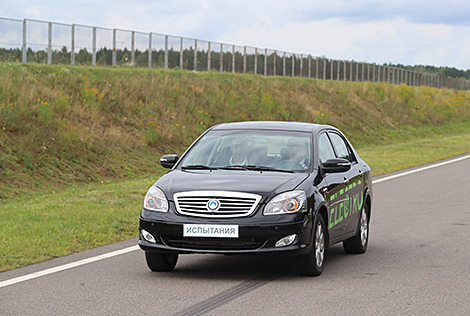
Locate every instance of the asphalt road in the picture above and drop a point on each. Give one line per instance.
(417, 263)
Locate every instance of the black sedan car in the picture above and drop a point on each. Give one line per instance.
(259, 187)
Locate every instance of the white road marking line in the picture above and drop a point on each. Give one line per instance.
(419, 170)
(133, 248)
(67, 266)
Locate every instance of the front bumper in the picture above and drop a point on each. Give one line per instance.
(254, 237)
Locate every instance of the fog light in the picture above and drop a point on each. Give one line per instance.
(148, 236)
(285, 241)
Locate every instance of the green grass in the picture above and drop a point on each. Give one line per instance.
(39, 227)
(79, 146)
(392, 157)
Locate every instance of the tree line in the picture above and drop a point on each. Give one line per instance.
(275, 65)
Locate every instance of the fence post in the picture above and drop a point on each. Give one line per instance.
(93, 48)
(181, 53)
(256, 61)
(284, 64)
(332, 63)
(221, 57)
(244, 59)
(324, 68)
(114, 48)
(195, 55)
(49, 43)
(301, 65)
(233, 58)
(350, 70)
(72, 48)
(293, 65)
(357, 72)
(309, 66)
(24, 43)
(209, 57)
(274, 63)
(150, 51)
(362, 72)
(133, 49)
(265, 61)
(338, 64)
(166, 51)
(344, 70)
(316, 67)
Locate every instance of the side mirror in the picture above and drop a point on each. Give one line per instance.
(168, 161)
(336, 165)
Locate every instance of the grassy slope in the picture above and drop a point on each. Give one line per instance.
(63, 125)
(73, 139)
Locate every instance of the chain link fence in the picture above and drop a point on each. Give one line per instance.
(35, 41)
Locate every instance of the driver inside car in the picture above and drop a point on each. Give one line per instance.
(295, 155)
(239, 146)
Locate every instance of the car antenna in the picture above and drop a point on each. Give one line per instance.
(288, 118)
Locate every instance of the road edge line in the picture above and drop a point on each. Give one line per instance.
(419, 169)
(67, 266)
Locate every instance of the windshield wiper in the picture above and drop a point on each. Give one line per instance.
(234, 167)
(201, 167)
(255, 168)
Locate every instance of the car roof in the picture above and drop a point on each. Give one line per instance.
(272, 125)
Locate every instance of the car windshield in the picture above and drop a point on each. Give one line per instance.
(258, 150)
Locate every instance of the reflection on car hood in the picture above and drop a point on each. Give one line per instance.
(266, 184)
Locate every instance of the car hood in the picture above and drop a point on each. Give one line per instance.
(266, 184)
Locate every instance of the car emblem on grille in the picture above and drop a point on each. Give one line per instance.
(213, 205)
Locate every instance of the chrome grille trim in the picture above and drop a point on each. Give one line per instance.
(232, 204)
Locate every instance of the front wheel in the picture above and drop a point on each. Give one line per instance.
(312, 264)
(358, 243)
(161, 262)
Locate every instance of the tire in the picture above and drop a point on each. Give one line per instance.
(358, 244)
(161, 262)
(312, 264)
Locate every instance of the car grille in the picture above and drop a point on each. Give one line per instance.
(215, 244)
(230, 204)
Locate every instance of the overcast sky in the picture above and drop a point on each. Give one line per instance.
(413, 32)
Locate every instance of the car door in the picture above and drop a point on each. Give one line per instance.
(335, 186)
(350, 196)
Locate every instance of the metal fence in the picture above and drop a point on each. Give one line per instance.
(34, 41)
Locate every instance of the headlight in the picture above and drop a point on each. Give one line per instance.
(155, 200)
(285, 203)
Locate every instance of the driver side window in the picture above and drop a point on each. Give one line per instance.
(342, 149)
(325, 148)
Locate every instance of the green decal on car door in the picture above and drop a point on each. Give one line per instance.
(348, 207)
